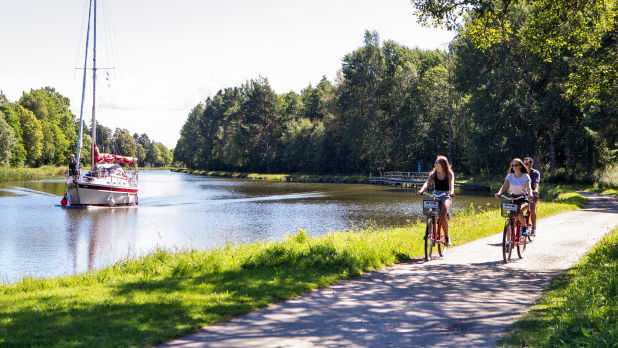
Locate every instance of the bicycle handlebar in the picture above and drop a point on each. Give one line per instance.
(510, 198)
(434, 195)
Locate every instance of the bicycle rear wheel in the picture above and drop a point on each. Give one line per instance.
(441, 249)
(507, 242)
(530, 235)
(441, 243)
(429, 239)
(521, 246)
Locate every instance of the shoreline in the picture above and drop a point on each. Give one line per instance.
(164, 295)
(341, 179)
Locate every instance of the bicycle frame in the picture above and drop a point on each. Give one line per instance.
(432, 209)
(515, 239)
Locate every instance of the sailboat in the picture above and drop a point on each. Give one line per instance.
(106, 183)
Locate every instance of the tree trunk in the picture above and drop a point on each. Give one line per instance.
(552, 149)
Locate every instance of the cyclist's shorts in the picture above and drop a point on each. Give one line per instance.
(443, 194)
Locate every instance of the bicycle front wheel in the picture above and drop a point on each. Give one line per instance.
(507, 242)
(429, 239)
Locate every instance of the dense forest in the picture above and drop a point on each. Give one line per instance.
(493, 95)
(39, 129)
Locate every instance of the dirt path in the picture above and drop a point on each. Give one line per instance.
(466, 299)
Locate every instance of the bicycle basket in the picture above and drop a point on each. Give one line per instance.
(431, 208)
(508, 209)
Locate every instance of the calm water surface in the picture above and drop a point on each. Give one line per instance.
(178, 211)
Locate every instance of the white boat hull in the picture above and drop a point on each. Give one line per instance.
(81, 193)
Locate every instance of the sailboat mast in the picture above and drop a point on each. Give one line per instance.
(94, 81)
(81, 108)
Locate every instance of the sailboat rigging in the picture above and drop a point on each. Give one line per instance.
(107, 183)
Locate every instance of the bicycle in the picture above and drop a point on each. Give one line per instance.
(433, 231)
(512, 234)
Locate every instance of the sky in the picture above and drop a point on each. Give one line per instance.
(167, 56)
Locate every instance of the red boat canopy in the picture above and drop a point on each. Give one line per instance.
(108, 157)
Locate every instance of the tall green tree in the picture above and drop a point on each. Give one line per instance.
(7, 141)
(32, 135)
(18, 153)
(122, 143)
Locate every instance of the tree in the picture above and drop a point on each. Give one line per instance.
(362, 71)
(104, 138)
(18, 153)
(7, 141)
(260, 116)
(186, 150)
(32, 135)
(122, 143)
(57, 121)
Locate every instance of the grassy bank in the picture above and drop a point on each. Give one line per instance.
(352, 179)
(155, 298)
(157, 168)
(24, 173)
(581, 307)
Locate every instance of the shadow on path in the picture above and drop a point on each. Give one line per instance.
(429, 304)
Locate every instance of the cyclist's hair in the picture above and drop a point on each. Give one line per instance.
(446, 167)
(521, 164)
(529, 159)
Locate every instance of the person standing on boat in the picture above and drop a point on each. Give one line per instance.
(73, 168)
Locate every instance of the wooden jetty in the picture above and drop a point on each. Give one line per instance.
(416, 179)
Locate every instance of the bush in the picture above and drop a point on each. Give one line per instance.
(564, 176)
(608, 177)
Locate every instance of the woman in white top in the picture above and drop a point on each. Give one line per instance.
(517, 184)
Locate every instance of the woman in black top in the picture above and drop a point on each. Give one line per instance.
(443, 180)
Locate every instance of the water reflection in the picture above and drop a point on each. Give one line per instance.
(178, 211)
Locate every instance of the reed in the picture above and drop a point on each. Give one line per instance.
(145, 301)
(24, 173)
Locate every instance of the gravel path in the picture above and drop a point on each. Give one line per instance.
(466, 299)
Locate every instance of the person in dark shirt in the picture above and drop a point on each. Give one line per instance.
(443, 180)
(535, 180)
(72, 165)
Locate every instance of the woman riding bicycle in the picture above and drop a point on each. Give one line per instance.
(517, 184)
(443, 180)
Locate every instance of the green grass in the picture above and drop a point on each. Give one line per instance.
(351, 179)
(154, 168)
(581, 307)
(23, 173)
(164, 295)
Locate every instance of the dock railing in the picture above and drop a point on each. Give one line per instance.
(416, 179)
(406, 175)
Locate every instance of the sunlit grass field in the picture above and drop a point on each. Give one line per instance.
(581, 307)
(24, 173)
(155, 298)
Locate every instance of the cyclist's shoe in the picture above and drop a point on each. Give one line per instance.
(525, 232)
(533, 231)
(447, 241)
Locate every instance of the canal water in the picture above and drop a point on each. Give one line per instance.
(39, 238)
